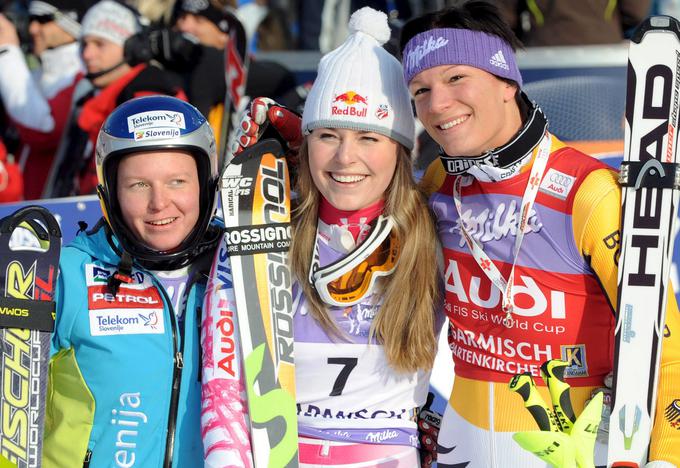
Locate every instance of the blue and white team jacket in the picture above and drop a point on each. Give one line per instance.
(124, 387)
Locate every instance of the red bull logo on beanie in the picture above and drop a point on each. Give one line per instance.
(349, 99)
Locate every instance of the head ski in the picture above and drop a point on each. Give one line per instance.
(650, 182)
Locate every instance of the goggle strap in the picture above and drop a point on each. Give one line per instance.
(378, 234)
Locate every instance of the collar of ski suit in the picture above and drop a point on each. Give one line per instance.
(346, 229)
(504, 161)
(97, 109)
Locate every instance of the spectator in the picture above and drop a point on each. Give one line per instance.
(204, 20)
(11, 182)
(106, 26)
(267, 26)
(553, 23)
(323, 24)
(38, 103)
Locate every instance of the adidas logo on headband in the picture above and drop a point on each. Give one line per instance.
(498, 60)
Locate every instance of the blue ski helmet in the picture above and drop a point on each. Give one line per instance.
(153, 123)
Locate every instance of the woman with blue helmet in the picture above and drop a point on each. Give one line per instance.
(124, 375)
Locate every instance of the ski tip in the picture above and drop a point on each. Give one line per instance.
(30, 214)
(656, 23)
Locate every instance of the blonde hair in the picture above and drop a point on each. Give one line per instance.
(405, 323)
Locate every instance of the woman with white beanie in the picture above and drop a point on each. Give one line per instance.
(364, 257)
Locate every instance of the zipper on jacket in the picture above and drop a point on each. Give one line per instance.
(88, 457)
(176, 380)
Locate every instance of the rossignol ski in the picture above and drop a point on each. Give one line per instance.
(27, 284)
(235, 73)
(649, 197)
(255, 195)
(224, 430)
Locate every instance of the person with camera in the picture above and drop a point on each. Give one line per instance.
(37, 102)
(204, 20)
(112, 81)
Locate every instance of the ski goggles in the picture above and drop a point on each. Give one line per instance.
(347, 281)
(41, 19)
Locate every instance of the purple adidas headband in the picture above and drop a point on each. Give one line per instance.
(451, 46)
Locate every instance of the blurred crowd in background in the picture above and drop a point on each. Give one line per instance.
(66, 64)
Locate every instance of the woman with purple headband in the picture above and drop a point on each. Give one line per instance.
(516, 298)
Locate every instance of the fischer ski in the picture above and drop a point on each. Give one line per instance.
(236, 62)
(650, 182)
(28, 279)
(255, 195)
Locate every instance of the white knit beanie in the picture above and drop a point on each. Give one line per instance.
(110, 20)
(360, 86)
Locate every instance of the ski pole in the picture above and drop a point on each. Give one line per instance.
(533, 402)
(553, 374)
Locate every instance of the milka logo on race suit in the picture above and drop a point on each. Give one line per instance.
(127, 419)
(382, 436)
(493, 226)
(359, 318)
(423, 49)
(557, 184)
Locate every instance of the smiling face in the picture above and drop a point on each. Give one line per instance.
(352, 169)
(466, 110)
(158, 194)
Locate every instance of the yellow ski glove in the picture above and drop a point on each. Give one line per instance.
(563, 440)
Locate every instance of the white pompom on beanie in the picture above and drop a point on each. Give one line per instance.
(360, 86)
(110, 20)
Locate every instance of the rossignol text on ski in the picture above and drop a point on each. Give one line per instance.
(255, 194)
